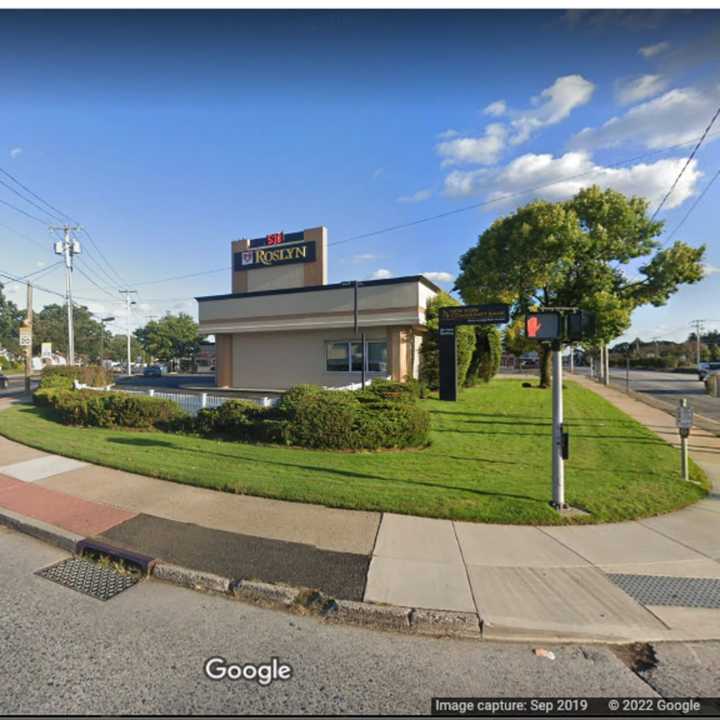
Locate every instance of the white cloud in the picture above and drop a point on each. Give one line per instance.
(447, 134)
(650, 51)
(381, 274)
(710, 269)
(377, 173)
(445, 277)
(484, 150)
(364, 257)
(642, 87)
(497, 108)
(416, 197)
(553, 104)
(566, 175)
(678, 116)
(15, 152)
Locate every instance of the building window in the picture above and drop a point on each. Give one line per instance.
(346, 356)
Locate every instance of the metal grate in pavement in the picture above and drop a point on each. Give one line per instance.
(88, 578)
(665, 590)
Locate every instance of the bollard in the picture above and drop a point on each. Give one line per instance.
(151, 392)
(203, 400)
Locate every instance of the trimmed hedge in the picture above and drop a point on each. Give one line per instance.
(61, 376)
(109, 409)
(385, 415)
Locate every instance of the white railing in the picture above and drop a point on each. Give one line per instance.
(193, 403)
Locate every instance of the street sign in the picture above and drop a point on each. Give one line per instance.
(544, 325)
(46, 350)
(451, 317)
(495, 314)
(25, 336)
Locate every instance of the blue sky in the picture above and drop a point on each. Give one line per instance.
(169, 134)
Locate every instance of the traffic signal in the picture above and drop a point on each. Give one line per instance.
(544, 325)
(580, 325)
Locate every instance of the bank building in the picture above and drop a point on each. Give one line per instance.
(283, 324)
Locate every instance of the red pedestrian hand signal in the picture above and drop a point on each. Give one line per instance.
(533, 326)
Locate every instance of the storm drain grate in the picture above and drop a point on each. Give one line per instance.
(89, 578)
(664, 590)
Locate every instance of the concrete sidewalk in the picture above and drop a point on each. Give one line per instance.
(562, 583)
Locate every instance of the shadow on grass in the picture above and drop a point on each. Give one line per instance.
(146, 442)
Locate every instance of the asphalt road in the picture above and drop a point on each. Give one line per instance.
(143, 652)
(668, 388)
(167, 381)
(16, 386)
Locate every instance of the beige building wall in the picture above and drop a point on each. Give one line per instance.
(277, 361)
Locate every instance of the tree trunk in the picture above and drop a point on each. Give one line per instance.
(545, 357)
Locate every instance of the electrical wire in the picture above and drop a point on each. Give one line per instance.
(698, 199)
(685, 166)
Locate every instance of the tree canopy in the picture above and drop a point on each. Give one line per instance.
(598, 251)
(170, 337)
(50, 325)
(10, 319)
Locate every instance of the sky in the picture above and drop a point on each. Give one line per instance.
(167, 135)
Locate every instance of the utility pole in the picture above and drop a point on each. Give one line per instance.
(698, 337)
(128, 303)
(28, 348)
(68, 248)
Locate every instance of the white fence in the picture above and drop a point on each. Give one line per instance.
(192, 403)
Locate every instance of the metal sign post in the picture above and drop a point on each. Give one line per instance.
(684, 421)
(558, 462)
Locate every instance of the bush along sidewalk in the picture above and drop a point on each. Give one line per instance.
(384, 415)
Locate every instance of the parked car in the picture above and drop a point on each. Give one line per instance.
(3, 381)
(705, 368)
(153, 371)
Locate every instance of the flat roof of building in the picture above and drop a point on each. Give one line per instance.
(332, 286)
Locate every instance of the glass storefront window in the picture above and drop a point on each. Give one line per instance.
(377, 357)
(337, 357)
(340, 355)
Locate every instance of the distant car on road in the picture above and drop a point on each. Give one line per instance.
(705, 368)
(153, 371)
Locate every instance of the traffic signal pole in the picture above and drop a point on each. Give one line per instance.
(558, 464)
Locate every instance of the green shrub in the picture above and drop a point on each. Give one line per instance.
(323, 419)
(236, 418)
(486, 357)
(391, 390)
(429, 350)
(340, 419)
(109, 409)
(60, 376)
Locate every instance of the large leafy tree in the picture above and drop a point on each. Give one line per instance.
(11, 318)
(171, 337)
(599, 251)
(50, 325)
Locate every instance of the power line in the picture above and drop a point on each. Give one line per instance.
(463, 209)
(692, 207)
(56, 216)
(36, 196)
(53, 216)
(685, 166)
(89, 279)
(27, 214)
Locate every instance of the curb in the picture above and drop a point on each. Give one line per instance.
(306, 601)
(63, 539)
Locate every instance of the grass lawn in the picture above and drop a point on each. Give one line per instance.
(489, 461)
